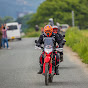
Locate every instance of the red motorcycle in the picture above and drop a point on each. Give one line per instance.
(49, 61)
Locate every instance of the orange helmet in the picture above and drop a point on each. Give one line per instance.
(48, 30)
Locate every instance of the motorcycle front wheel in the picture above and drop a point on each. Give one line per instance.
(46, 74)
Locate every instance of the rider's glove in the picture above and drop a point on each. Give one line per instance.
(37, 44)
(63, 43)
(64, 40)
(60, 46)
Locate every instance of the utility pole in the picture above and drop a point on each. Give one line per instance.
(73, 24)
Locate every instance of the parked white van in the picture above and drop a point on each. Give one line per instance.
(13, 31)
(64, 27)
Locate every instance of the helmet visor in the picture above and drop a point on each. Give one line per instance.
(55, 30)
(48, 32)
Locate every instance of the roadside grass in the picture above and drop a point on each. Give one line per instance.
(78, 41)
(31, 33)
(84, 32)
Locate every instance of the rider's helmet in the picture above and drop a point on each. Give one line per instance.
(48, 30)
(55, 29)
(51, 20)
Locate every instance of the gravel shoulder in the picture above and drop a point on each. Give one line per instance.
(73, 56)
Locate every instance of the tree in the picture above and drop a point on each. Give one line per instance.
(1, 21)
(8, 19)
(23, 20)
(61, 11)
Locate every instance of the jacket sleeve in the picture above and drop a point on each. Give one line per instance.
(60, 36)
(40, 40)
(59, 40)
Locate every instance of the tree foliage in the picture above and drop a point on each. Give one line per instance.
(1, 21)
(6, 19)
(23, 20)
(61, 11)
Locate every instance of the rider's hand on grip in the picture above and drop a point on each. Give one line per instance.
(37, 44)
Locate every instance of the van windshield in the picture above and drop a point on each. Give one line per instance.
(64, 27)
(12, 27)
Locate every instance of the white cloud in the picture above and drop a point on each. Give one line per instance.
(23, 2)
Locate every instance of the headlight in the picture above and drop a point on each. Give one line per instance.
(48, 50)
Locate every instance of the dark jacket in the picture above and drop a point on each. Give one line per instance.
(62, 37)
(55, 36)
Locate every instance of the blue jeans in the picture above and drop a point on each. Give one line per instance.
(4, 40)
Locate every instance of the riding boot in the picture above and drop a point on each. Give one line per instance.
(61, 58)
(41, 70)
(56, 70)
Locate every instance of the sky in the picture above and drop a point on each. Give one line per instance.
(14, 7)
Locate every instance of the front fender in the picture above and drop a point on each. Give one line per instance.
(47, 59)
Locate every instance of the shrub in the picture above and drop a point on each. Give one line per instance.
(78, 41)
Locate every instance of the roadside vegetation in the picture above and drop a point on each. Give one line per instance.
(31, 33)
(61, 11)
(78, 41)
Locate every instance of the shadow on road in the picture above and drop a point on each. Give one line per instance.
(68, 83)
(74, 67)
(65, 84)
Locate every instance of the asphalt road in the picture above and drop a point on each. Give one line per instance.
(19, 67)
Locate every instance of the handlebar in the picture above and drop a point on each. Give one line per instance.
(36, 47)
(55, 49)
(59, 49)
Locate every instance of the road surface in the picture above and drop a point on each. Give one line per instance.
(19, 67)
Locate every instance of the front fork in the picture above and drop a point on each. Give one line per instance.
(48, 67)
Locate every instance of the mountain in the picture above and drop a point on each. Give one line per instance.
(14, 7)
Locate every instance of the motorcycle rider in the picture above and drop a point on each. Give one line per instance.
(51, 22)
(56, 31)
(48, 32)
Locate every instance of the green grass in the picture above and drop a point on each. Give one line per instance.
(31, 33)
(78, 41)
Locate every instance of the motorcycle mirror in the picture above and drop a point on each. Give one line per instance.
(36, 41)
